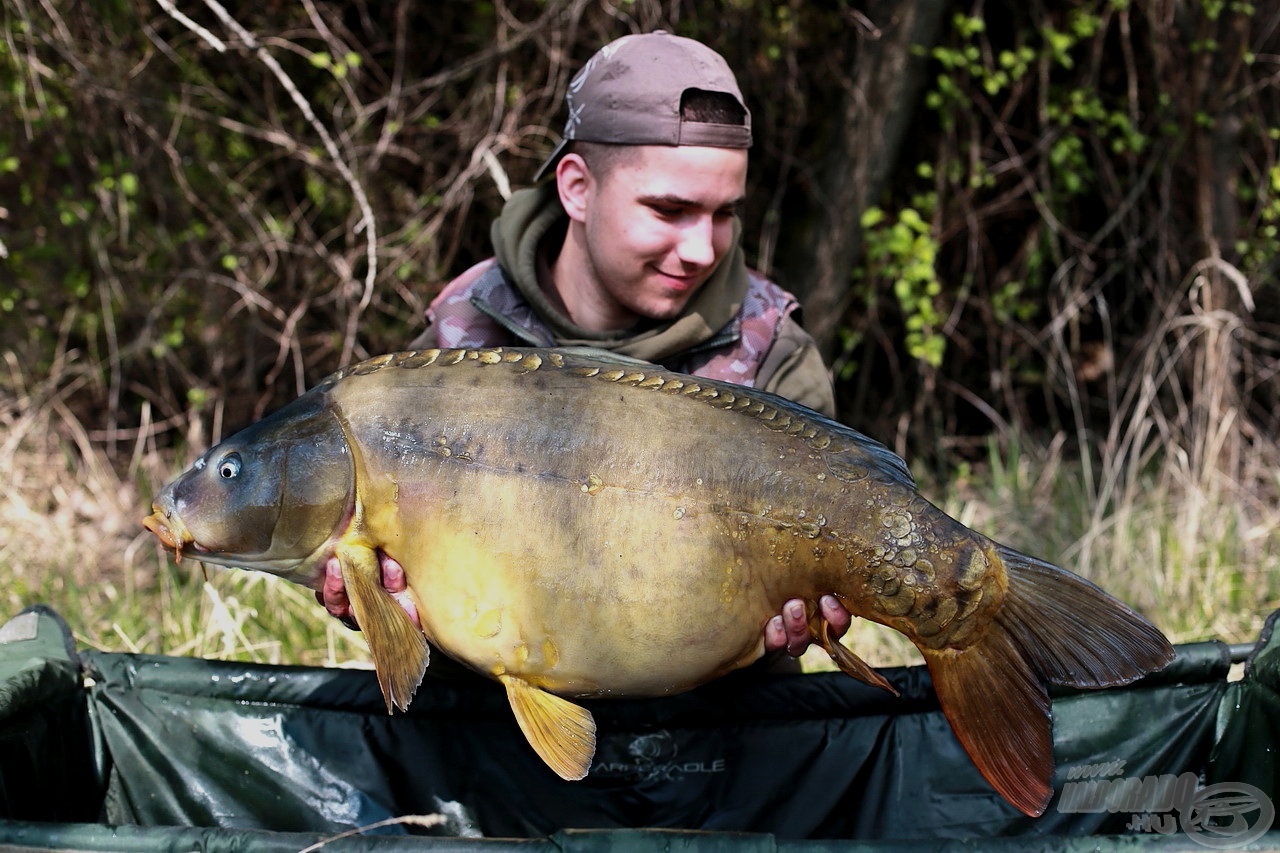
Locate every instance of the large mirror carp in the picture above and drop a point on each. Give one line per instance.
(553, 510)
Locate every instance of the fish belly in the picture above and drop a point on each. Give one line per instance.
(612, 593)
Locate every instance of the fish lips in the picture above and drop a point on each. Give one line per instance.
(173, 533)
(170, 530)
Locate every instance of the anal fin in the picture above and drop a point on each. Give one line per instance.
(399, 650)
(849, 663)
(562, 733)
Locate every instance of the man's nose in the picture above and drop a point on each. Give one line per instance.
(698, 242)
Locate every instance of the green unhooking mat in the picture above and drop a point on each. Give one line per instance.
(106, 751)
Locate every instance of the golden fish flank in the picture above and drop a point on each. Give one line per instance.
(552, 508)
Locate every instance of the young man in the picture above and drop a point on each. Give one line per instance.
(634, 248)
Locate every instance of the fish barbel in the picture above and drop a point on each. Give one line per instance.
(552, 509)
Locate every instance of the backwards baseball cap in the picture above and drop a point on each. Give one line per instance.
(630, 93)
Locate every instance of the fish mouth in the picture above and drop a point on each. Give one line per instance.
(169, 529)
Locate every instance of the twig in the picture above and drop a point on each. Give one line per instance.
(425, 821)
(179, 16)
(367, 222)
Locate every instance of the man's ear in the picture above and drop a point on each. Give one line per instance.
(574, 182)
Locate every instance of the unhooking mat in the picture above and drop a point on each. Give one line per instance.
(239, 756)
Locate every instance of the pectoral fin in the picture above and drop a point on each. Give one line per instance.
(400, 652)
(849, 663)
(562, 733)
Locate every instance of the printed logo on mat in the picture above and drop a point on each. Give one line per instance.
(651, 757)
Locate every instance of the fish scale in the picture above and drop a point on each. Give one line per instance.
(554, 509)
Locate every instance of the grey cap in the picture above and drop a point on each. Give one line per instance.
(629, 93)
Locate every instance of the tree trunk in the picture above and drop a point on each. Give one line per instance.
(860, 144)
(1220, 294)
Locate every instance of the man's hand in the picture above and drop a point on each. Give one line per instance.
(333, 593)
(790, 629)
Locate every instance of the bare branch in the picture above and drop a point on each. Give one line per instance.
(367, 223)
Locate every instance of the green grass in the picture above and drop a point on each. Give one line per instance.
(1197, 555)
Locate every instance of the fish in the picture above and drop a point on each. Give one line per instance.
(553, 509)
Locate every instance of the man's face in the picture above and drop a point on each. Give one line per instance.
(657, 224)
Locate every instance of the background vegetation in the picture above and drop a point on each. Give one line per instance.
(1038, 242)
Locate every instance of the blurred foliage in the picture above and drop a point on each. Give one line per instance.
(1099, 180)
(1087, 190)
(903, 252)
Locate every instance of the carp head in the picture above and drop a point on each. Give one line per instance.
(270, 498)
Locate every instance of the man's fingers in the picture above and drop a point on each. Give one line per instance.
(836, 615)
(393, 579)
(395, 582)
(333, 594)
(406, 602)
(775, 636)
(790, 629)
(796, 624)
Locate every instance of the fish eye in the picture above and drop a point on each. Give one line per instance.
(229, 467)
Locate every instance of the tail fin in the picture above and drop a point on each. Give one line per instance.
(1053, 628)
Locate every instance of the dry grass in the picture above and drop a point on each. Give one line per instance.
(71, 537)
